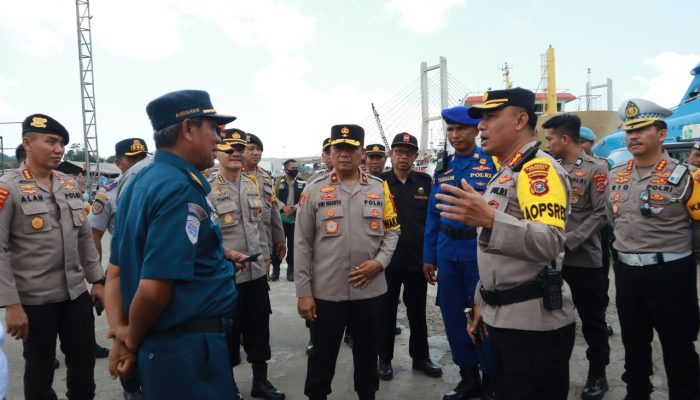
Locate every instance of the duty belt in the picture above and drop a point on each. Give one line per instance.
(459, 234)
(644, 259)
(211, 325)
(526, 291)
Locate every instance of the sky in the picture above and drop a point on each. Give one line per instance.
(289, 70)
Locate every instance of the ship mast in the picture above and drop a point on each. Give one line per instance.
(551, 90)
(505, 71)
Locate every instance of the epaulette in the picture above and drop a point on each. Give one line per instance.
(212, 176)
(110, 185)
(528, 155)
(318, 178)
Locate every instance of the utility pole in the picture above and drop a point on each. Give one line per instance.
(425, 110)
(87, 92)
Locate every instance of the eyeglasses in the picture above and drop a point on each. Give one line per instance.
(402, 152)
(644, 208)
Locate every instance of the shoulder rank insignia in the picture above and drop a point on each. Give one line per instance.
(108, 185)
(26, 174)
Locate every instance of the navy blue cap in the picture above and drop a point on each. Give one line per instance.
(130, 147)
(587, 134)
(459, 115)
(175, 107)
(41, 123)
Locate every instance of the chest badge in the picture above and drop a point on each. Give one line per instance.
(330, 213)
(331, 227)
(374, 225)
(37, 223)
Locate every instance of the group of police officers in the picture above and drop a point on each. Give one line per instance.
(513, 237)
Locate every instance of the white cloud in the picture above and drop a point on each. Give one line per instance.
(40, 27)
(299, 116)
(673, 78)
(422, 16)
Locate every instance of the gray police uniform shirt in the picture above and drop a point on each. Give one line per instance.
(671, 207)
(527, 235)
(240, 213)
(589, 185)
(338, 228)
(46, 246)
(101, 216)
(271, 213)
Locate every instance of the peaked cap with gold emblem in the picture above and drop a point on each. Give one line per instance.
(640, 113)
(375, 149)
(353, 135)
(496, 99)
(130, 147)
(41, 123)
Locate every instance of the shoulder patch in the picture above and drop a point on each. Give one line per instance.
(541, 193)
(192, 228)
(197, 211)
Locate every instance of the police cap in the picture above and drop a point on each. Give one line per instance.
(586, 134)
(375, 149)
(405, 139)
(497, 99)
(234, 136)
(41, 123)
(640, 113)
(253, 139)
(460, 116)
(175, 107)
(130, 147)
(326, 143)
(353, 135)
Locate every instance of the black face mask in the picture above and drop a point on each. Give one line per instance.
(293, 173)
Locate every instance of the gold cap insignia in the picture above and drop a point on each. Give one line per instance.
(37, 223)
(39, 122)
(137, 146)
(345, 131)
(406, 138)
(236, 135)
(421, 191)
(375, 148)
(631, 111)
(486, 96)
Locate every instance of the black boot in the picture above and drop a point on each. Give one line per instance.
(487, 388)
(261, 386)
(596, 386)
(468, 387)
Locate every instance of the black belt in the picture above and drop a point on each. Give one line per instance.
(215, 325)
(520, 293)
(459, 234)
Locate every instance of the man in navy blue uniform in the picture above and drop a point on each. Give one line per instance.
(177, 289)
(450, 246)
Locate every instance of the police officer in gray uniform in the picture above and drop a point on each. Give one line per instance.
(582, 269)
(271, 215)
(46, 255)
(346, 232)
(238, 204)
(654, 204)
(101, 217)
(524, 303)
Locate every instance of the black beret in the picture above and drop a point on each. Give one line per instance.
(41, 123)
(353, 135)
(405, 139)
(378, 149)
(175, 107)
(130, 147)
(253, 139)
(496, 99)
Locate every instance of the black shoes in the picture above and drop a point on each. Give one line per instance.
(266, 390)
(290, 277)
(397, 330)
(101, 352)
(469, 387)
(275, 277)
(487, 389)
(236, 393)
(428, 367)
(384, 370)
(596, 386)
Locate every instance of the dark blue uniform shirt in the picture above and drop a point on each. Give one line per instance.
(476, 168)
(166, 229)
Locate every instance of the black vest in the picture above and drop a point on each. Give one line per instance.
(283, 190)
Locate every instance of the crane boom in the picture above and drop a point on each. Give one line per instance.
(379, 125)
